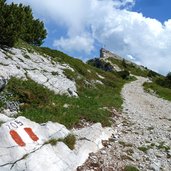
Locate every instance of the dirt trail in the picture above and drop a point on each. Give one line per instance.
(143, 134)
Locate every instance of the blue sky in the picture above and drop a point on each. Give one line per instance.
(136, 29)
(159, 9)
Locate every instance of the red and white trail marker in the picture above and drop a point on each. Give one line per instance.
(16, 137)
(32, 135)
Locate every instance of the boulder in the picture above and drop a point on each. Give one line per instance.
(26, 145)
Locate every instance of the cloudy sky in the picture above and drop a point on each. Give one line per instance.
(136, 29)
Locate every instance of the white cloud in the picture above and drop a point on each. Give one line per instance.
(130, 57)
(77, 43)
(103, 21)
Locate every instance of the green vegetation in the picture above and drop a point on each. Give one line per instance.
(125, 144)
(163, 146)
(130, 168)
(150, 128)
(101, 64)
(1, 104)
(69, 140)
(163, 92)
(1, 122)
(70, 74)
(107, 66)
(52, 141)
(153, 74)
(132, 68)
(124, 74)
(17, 22)
(126, 67)
(144, 149)
(168, 77)
(41, 105)
(160, 85)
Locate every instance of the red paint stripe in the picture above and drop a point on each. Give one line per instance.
(17, 138)
(32, 135)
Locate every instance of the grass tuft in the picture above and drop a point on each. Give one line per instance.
(69, 140)
(130, 168)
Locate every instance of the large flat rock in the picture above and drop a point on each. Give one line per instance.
(23, 145)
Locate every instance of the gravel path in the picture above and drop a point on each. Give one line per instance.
(142, 134)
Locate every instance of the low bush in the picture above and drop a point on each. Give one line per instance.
(98, 63)
(124, 74)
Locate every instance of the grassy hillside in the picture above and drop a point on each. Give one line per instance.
(98, 91)
(131, 67)
(160, 85)
(109, 64)
(162, 92)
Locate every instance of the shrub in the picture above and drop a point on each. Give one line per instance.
(124, 74)
(106, 66)
(168, 76)
(152, 74)
(70, 141)
(164, 82)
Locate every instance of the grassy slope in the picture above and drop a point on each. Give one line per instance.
(130, 67)
(92, 98)
(162, 92)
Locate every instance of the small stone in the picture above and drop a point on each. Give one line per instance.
(105, 143)
(103, 152)
(136, 156)
(2, 83)
(155, 166)
(66, 105)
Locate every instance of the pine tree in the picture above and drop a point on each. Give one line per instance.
(17, 22)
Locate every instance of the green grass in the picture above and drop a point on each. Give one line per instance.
(1, 104)
(144, 149)
(130, 168)
(163, 146)
(69, 140)
(162, 92)
(52, 141)
(70, 74)
(42, 105)
(125, 144)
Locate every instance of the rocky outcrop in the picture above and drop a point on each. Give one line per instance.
(107, 54)
(104, 54)
(22, 64)
(26, 145)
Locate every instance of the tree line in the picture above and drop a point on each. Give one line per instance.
(17, 22)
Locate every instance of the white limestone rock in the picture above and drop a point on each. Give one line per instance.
(37, 154)
(22, 64)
